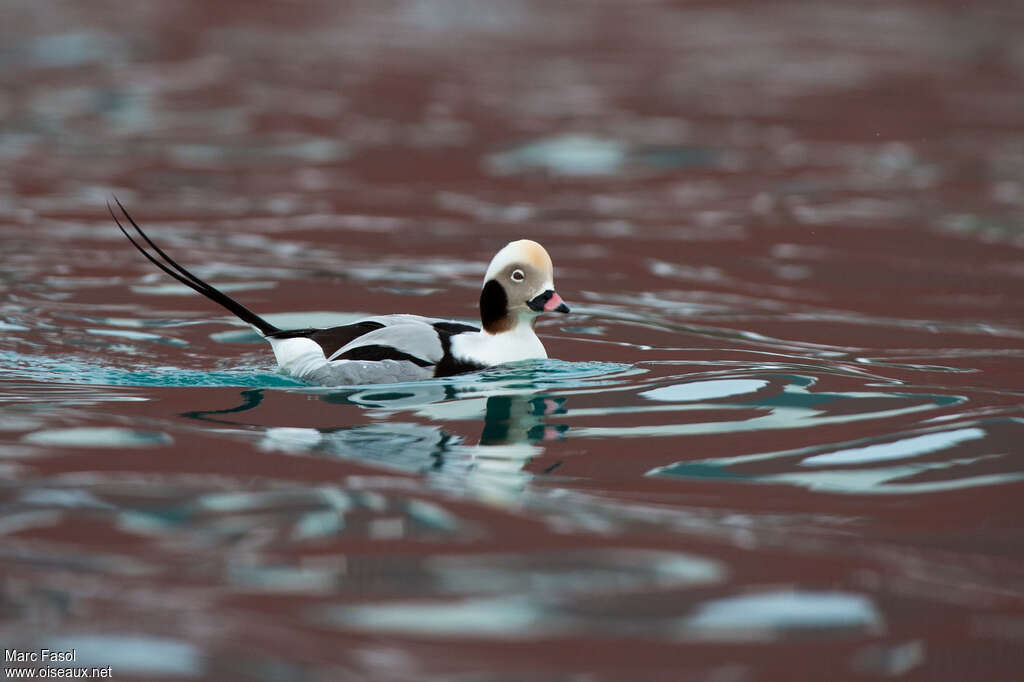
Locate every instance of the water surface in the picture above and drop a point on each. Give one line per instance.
(779, 437)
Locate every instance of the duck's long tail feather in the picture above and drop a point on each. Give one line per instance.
(172, 268)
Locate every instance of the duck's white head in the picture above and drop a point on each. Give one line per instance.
(519, 286)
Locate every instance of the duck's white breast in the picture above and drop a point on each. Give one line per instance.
(520, 343)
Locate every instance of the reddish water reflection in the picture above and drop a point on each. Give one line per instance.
(783, 437)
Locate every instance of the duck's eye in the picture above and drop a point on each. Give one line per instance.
(518, 276)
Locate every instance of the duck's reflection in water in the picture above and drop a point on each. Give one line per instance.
(514, 425)
(510, 419)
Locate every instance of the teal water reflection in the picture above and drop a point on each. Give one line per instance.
(789, 403)
(941, 459)
(520, 409)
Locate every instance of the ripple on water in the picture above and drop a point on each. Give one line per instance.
(898, 449)
(780, 401)
(528, 595)
(298, 515)
(136, 336)
(934, 461)
(81, 372)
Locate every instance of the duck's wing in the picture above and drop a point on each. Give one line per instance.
(421, 340)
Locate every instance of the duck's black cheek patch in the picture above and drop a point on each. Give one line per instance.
(494, 307)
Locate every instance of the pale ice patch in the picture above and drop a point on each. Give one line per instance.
(502, 617)
(63, 497)
(432, 515)
(290, 439)
(322, 150)
(763, 615)
(702, 273)
(136, 336)
(900, 449)
(563, 155)
(131, 654)
(695, 391)
(97, 436)
(284, 579)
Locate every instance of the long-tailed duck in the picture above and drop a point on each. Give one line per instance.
(518, 286)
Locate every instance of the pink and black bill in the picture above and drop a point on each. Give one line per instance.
(548, 302)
